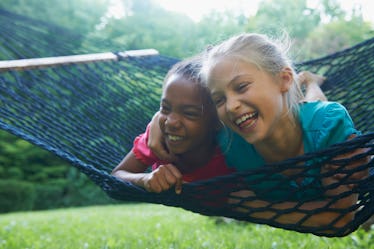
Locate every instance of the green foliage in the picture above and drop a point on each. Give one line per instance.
(339, 34)
(332, 10)
(16, 195)
(148, 27)
(49, 195)
(225, 25)
(41, 180)
(23, 161)
(80, 191)
(153, 226)
(80, 16)
(315, 32)
(144, 24)
(294, 17)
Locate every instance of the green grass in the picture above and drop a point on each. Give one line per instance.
(153, 226)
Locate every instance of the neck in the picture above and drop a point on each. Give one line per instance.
(285, 142)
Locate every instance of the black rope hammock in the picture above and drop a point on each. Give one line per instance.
(89, 114)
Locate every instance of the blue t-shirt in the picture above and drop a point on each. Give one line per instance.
(323, 124)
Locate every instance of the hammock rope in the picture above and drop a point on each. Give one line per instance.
(90, 113)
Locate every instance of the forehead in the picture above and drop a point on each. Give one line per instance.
(227, 68)
(231, 67)
(179, 88)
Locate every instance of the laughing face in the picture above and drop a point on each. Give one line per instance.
(186, 119)
(250, 101)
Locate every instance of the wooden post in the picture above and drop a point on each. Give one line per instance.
(23, 64)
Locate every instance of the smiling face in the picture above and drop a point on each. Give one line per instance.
(187, 119)
(250, 101)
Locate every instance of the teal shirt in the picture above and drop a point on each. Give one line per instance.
(322, 123)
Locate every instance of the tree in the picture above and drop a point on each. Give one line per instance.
(80, 16)
(146, 25)
(294, 17)
(336, 35)
(41, 180)
(315, 32)
(340, 30)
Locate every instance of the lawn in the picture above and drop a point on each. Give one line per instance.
(153, 226)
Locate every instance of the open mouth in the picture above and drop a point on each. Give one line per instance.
(247, 120)
(174, 138)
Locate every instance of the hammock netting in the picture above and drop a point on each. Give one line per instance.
(90, 113)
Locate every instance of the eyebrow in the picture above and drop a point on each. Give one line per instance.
(239, 76)
(197, 106)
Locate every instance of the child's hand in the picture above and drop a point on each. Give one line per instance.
(156, 141)
(306, 77)
(163, 178)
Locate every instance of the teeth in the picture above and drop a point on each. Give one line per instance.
(244, 118)
(174, 138)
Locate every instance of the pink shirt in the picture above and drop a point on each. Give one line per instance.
(215, 167)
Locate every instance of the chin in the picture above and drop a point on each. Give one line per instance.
(250, 138)
(177, 151)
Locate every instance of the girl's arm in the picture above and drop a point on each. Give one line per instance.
(301, 212)
(291, 213)
(297, 210)
(352, 167)
(312, 84)
(163, 178)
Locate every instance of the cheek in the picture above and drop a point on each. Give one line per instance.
(161, 122)
(197, 128)
(221, 113)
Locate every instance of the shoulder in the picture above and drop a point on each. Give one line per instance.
(238, 153)
(141, 150)
(321, 108)
(325, 123)
(324, 115)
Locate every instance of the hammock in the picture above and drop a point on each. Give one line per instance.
(89, 113)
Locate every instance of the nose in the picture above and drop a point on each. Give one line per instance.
(232, 104)
(172, 121)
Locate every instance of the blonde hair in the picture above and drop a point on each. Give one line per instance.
(261, 51)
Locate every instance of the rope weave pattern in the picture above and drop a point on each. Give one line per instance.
(90, 113)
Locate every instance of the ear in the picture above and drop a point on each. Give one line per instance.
(286, 79)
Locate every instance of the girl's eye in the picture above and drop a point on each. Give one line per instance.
(193, 114)
(242, 86)
(218, 101)
(164, 109)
